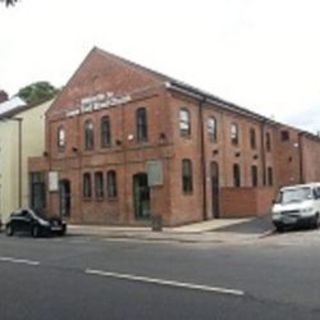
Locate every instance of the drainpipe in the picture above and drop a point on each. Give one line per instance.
(301, 173)
(263, 154)
(203, 159)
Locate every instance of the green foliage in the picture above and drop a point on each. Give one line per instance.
(37, 92)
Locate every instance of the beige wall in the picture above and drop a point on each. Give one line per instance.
(32, 146)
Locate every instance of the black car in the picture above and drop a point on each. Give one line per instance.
(26, 220)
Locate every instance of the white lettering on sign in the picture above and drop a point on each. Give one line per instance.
(100, 101)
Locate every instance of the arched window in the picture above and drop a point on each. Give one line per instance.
(185, 122)
(112, 184)
(212, 129)
(98, 184)
(236, 175)
(253, 142)
(61, 138)
(187, 183)
(268, 142)
(142, 125)
(105, 128)
(88, 135)
(254, 175)
(234, 133)
(87, 191)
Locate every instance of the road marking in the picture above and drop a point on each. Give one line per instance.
(170, 283)
(22, 261)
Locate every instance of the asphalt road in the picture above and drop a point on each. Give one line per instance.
(92, 278)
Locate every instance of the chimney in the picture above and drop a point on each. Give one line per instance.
(3, 96)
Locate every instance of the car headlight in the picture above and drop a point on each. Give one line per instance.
(307, 210)
(44, 223)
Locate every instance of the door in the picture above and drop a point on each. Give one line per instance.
(65, 197)
(141, 195)
(214, 172)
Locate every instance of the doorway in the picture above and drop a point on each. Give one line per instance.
(214, 173)
(141, 196)
(65, 197)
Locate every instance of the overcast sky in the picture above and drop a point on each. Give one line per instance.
(260, 54)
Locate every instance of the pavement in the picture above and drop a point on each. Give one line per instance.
(213, 231)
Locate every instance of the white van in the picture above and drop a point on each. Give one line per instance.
(297, 205)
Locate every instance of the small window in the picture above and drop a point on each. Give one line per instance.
(105, 132)
(212, 129)
(61, 138)
(98, 184)
(270, 176)
(268, 142)
(234, 134)
(89, 135)
(253, 142)
(187, 183)
(285, 136)
(87, 192)
(254, 176)
(185, 122)
(236, 175)
(112, 184)
(142, 125)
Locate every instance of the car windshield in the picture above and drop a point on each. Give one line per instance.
(295, 195)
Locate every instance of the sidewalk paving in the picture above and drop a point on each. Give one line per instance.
(213, 231)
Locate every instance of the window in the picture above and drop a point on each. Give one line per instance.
(234, 134)
(112, 184)
(285, 136)
(184, 122)
(253, 143)
(38, 191)
(268, 141)
(142, 126)
(87, 192)
(236, 175)
(88, 135)
(254, 176)
(105, 128)
(61, 138)
(187, 185)
(98, 184)
(212, 129)
(270, 176)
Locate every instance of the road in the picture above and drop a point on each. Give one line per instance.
(78, 277)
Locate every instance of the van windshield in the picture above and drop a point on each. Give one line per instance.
(295, 195)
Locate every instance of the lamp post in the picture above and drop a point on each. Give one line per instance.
(19, 121)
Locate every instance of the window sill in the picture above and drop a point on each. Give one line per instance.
(188, 193)
(86, 199)
(112, 199)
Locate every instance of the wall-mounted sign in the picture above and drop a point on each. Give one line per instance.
(99, 101)
(53, 181)
(155, 173)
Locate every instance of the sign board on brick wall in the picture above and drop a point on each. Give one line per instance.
(53, 181)
(155, 173)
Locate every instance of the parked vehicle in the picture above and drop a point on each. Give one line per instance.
(26, 220)
(297, 205)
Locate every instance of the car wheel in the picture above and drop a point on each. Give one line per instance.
(280, 228)
(9, 230)
(62, 232)
(35, 231)
(315, 223)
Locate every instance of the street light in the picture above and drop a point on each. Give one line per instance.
(19, 121)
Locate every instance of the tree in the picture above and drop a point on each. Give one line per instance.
(37, 92)
(9, 2)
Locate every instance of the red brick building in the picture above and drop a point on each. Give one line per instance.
(125, 143)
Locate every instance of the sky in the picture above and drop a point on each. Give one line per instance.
(263, 55)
